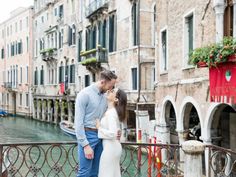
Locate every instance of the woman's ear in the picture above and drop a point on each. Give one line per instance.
(116, 100)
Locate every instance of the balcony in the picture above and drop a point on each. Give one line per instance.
(10, 87)
(48, 54)
(95, 7)
(93, 58)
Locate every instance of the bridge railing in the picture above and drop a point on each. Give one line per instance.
(60, 159)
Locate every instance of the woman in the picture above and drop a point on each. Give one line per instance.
(107, 130)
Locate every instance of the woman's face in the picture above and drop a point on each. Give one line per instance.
(111, 95)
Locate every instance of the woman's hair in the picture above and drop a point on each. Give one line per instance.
(121, 104)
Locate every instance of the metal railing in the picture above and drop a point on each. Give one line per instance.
(94, 6)
(60, 159)
(222, 162)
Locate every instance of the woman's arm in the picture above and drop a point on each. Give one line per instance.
(111, 131)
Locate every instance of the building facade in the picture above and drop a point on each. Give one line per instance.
(16, 62)
(54, 60)
(120, 36)
(183, 107)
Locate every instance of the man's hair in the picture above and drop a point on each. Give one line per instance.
(107, 75)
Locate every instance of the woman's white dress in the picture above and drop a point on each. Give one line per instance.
(110, 159)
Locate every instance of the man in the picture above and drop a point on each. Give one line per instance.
(91, 105)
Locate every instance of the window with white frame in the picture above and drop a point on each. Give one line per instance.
(27, 100)
(188, 36)
(163, 51)
(134, 77)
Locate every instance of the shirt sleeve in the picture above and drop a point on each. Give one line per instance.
(111, 131)
(80, 109)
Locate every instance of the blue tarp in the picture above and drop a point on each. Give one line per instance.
(3, 113)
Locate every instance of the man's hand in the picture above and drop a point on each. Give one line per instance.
(98, 124)
(88, 152)
(118, 135)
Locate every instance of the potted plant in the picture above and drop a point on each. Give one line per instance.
(214, 54)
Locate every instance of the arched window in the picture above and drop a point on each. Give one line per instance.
(72, 72)
(228, 18)
(42, 76)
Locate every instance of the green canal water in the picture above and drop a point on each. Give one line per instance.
(20, 129)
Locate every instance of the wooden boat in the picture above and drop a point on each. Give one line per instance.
(67, 127)
(3, 113)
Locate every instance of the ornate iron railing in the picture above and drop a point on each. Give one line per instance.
(222, 162)
(60, 159)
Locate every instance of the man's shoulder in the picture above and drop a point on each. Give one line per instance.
(86, 90)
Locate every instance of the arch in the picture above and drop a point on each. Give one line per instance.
(209, 118)
(167, 99)
(180, 122)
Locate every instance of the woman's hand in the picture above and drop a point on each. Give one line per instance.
(98, 124)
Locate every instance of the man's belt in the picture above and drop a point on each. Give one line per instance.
(90, 129)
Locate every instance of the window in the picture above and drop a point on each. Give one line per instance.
(228, 18)
(79, 45)
(87, 39)
(20, 25)
(163, 52)
(87, 80)
(20, 99)
(27, 22)
(27, 74)
(61, 13)
(55, 12)
(73, 6)
(154, 26)
(42, 76)
(72, 73)
(61, 73)
(73, 35)
(69, 35)
(94, 37)
(112, 33)
(2, 53)
(104, 32)
(27, 44)
(27, 100)
(134, 24)
(134, 78)
(188, 36)
(21, 75)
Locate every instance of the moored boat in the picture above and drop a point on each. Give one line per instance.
(67, 127)
(3, 113)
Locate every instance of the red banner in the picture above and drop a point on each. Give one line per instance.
(223, 83)
(62, 88)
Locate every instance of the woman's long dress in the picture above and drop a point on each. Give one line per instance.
(110, 159)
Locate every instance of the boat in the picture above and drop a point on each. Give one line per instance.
(67, 127)
(3, 113)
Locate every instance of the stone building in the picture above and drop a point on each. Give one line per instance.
(183, 107)
(15, 62)
(54, 59)
(120, 36)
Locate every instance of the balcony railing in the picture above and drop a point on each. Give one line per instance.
(95, 6)
(60, 159)
(48, 54)
(94, 56)
(8, 85)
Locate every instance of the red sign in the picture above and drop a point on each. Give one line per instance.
(62, 88)
(223, 83)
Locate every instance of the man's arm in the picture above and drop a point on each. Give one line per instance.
(80, 107)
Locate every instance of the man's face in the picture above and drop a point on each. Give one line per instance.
(108, 85)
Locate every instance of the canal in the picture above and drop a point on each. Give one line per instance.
(20, 129)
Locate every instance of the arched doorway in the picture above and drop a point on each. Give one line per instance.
(192, 122)
(223, 131)
(170, 117)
